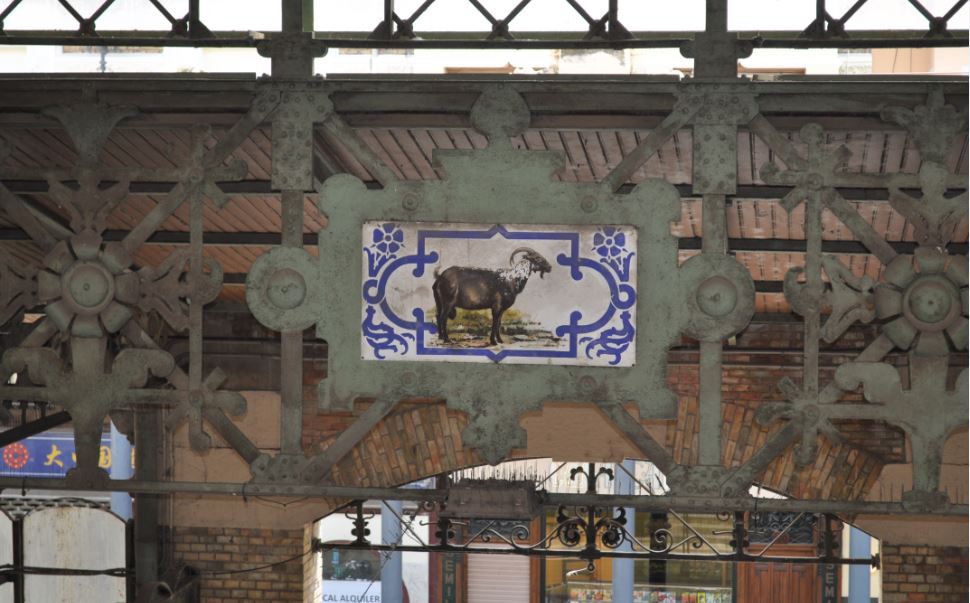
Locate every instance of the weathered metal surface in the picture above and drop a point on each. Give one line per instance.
(74, 538)
(91, 289)
(92, 353)
(922, 299)
(472, 193)
(700, 504)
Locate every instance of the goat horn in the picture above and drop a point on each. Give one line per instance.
(521, 250)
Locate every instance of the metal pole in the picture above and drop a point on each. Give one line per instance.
(146, 514)
(18, 560)
(623, 569)
(392, 577)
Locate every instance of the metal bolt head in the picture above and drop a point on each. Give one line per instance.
(931, 302)
(410, 202)
(815, 181)
(286, 289)
(408, 379)
(717, 296)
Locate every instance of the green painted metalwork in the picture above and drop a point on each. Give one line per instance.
(96, 299)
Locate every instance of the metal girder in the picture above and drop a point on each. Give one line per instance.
(34, 427)
(528, 40)
(838, 102)
(760, 286)
(641, 502)
(263, 188)
(268, 239)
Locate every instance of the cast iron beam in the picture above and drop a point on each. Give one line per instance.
(263, 188)
(34, 427)
(268, 239)
(534, 40)
(644, 502)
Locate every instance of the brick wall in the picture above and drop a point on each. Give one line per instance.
(841, 470)
(219, 550)
(920, 573)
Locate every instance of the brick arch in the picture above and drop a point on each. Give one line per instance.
(415, 441)
(841, 470)
(423, 439)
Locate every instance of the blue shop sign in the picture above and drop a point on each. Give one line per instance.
(49, 455)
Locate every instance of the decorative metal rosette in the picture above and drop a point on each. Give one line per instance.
(87, 287)
(282, 289)
(720, 296)
(926, 296)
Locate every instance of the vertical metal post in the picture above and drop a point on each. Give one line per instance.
(297, 19)
(715, 51)
(291, 352)
(131, 586)
(18, 560)
(146, 513)
(716, 16)
(392, 577)
(297, 16)
(740, 536)
(387, 26)
(813, 283)
(859, 548)
(196, 28)
(709, 395)
(196, 343)
(623, 568)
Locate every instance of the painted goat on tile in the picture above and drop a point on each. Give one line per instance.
(480, 289)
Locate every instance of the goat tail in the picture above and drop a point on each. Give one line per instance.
(437, 271)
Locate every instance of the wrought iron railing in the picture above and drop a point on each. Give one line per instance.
(594, 532)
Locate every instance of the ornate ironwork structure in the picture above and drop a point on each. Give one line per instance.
(594, 532)
(92, 295)
(95, 352)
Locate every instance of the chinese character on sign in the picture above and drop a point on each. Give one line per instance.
(52, 458)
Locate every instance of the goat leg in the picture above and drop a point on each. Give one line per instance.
(441, 315)
(496, 335)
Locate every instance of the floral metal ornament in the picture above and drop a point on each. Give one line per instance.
(89, 290)
(92, 289)
(847, 298)
(928, 411)
(934, 215)
(89, 386)
(924, 298)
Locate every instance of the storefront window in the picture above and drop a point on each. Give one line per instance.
(689, 581)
